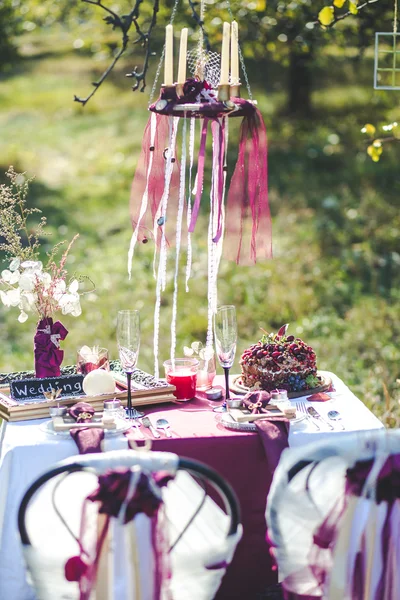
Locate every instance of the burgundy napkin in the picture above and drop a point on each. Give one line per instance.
(319, 397)
(256, 402)
(87, 440)
(274, 434)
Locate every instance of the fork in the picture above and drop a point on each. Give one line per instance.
(301, 407)
(135, 424)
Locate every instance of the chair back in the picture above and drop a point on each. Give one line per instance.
(195, 538)
(332, 503)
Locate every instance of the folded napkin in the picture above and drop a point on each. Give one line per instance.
(274, 435)
(87, 440)
(256, 402)
(319, 397)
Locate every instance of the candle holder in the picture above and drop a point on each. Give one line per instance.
(179, 90)
(168, 92)
(224, 92)
(57, 411)
(235, 90)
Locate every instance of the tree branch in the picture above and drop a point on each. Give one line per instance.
(124, 24)
(140, 76)
(338, 18)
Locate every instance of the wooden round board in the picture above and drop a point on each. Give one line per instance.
(237, 386)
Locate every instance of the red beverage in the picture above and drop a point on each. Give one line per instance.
(182, 373)
(185, 383)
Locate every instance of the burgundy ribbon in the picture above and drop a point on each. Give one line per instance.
(48, 355)
(248, 196)
(256, 402)
(200, 176)
(325, 537)
(218, 130)
(109, 498)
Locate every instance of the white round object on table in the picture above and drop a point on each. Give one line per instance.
(97, 382)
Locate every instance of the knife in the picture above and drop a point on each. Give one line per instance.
(147, 423)
(315, 415)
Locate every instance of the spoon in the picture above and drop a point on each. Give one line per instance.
(165, 426)
(335, 416)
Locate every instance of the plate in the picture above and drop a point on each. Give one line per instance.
(122, 426)
(227, 421)
(237, 386)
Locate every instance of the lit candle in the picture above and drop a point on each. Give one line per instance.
(224, 80)
(182, 56)
(169, 56)
(234, 53)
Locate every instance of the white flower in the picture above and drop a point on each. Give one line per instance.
(70, 300)
(14, 297)
(6, 275)
(22, 317)
(28, 301)
(59, 289)
(4, 298)
(32, 265)
(27, 281)
(14, 264)
(77, 310)
(70, 304)
(15, 275)
(206, 353)
(45, 278)
(73, 286)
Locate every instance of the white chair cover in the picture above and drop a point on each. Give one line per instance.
(205, 542)
(301, 498)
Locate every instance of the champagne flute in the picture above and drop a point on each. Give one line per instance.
(225, 332)
(128, 340)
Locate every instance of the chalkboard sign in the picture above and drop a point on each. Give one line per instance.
(34, 388)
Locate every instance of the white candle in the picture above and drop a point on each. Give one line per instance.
(234, 53)
(169, 55)
(224, 80)
(182, 56)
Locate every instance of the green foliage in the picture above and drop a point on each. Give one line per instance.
(10, 26)
(335, 273)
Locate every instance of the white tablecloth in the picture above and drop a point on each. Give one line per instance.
(27, 451)
(355, 415)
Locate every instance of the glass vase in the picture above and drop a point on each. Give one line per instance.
(206, 370)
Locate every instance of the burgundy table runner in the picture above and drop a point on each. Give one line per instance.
(240, 457)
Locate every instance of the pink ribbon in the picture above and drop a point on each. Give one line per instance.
(155, 181)
(248, 219)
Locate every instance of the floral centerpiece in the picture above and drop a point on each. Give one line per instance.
(29, 285)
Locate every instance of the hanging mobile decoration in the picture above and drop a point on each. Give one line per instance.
(163, 189)
(387, 58)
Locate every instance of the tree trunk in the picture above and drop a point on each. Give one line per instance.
(300, 83)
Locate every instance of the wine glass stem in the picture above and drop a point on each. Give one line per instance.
(129, 381)
(226, 371)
